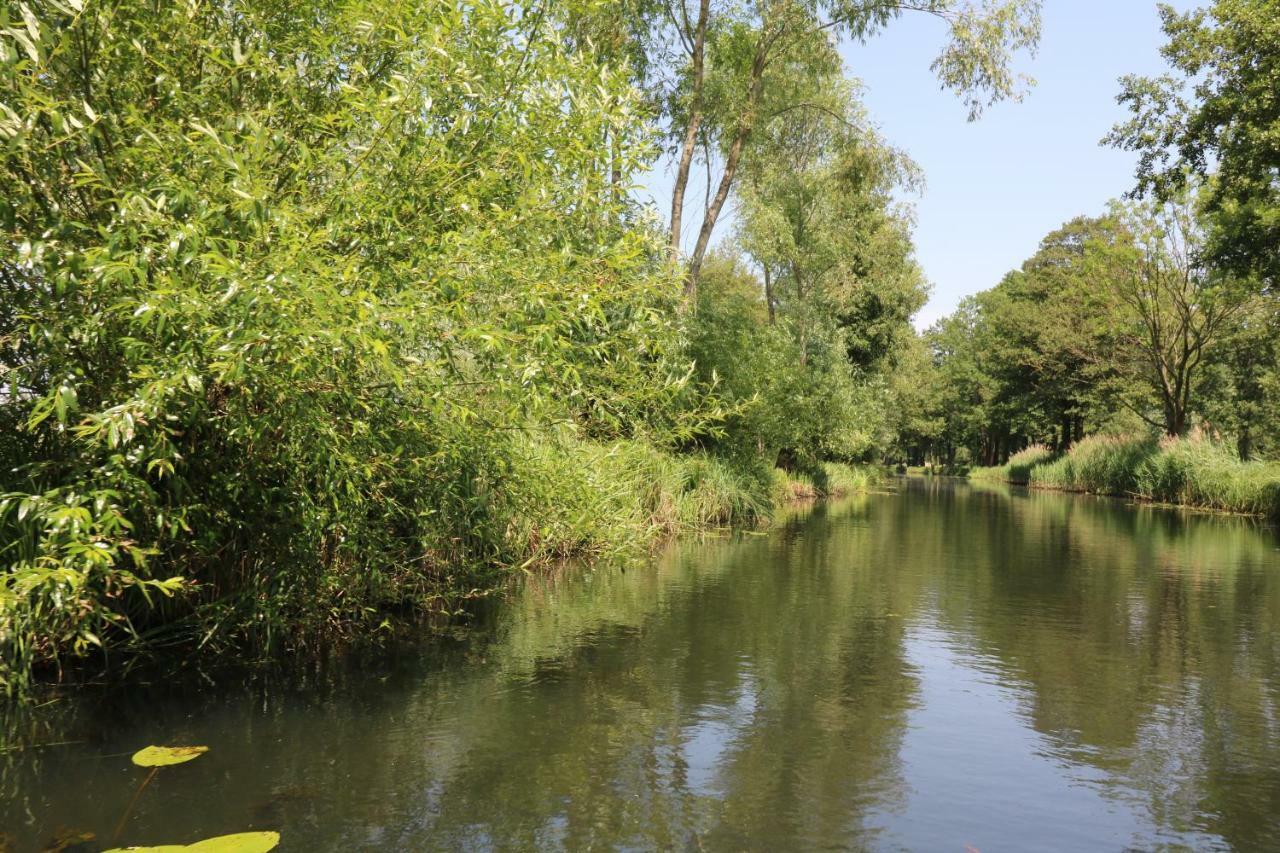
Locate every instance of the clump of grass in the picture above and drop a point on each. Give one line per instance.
(829, 480)
(1199, 472)
(715, 492)
(1189, 471)
(1018, 469)
(838, 479)
(585, 499)
(1022, 463)
(1101, 464)
(792, 486)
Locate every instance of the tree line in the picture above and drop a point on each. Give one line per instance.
(1159, 314)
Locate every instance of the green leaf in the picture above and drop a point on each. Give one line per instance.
(163, 756)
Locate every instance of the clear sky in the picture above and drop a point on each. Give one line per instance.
(994, 187)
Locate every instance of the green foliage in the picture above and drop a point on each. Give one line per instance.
(1217, 116)
(789, 394)
(288, 283)
(1243, 377)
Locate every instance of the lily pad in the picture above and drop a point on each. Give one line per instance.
(240, 842)
(163, 756)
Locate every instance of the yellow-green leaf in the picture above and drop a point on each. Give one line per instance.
(163, 756)
(240, 842)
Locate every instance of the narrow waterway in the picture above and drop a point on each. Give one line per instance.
(938, 667)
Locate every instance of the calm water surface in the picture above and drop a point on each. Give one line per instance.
(944, 667)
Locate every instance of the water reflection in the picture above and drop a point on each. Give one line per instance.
(933, 668)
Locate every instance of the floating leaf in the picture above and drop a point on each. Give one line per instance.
(163, 756)
(240, 842)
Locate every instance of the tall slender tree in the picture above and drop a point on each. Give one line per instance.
(744, 47)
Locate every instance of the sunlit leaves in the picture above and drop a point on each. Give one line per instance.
(291, 276)
(1215, 115)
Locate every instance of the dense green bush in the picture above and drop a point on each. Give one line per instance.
(288, 284)
(787, 396)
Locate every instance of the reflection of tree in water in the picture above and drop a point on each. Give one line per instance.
(1148, 638)
(746, 695)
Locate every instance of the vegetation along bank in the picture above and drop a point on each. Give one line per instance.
(313, 313)
(316, 312)
(1188, 471)
(1137, 351)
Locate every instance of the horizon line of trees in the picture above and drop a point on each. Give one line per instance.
(1162, 313)
(1116, 324)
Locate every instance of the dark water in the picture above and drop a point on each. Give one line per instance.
(941, 668)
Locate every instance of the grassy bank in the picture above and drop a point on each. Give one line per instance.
(1189, 472)
(832, 480)
(558, 497)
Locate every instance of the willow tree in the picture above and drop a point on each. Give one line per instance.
(1164, 308)
(282, 281)
(817, 218)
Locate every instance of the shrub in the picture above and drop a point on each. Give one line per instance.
(273, 321)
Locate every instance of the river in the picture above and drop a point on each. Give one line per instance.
(941, 666)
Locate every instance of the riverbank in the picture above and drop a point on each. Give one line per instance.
(1184, 471)
(562, 499)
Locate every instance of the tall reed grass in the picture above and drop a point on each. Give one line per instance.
(1191, 471)
(1018, 468)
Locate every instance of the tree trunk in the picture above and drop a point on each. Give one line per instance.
(768, 294)
(691, 131)
(1244, 444)
(745, 123)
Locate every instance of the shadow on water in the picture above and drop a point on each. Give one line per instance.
(939, 666)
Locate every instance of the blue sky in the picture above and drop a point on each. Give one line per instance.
(996, 186)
